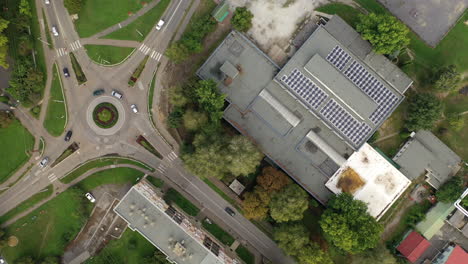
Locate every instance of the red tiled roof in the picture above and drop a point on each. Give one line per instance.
(458, 256)
(413, 246)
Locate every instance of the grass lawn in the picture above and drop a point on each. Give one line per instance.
(223, 236)
(456, 140)
(158, 183)
(144, 24)
(47, 230)
(97, 15)
(245, 255)
(173, 196)
(56, 117)
(348, 13)
(111, 176)
(16, 141)
(131, 248)
(36, 198)
(110, 55)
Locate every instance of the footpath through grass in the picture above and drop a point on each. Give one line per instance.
(173, 196)
(97, 15)
(143, 24)
(56, 117)
(16, 142)
(223, 236)
(110, 55)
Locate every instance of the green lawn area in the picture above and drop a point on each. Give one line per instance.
(47, 230)
(223, 236)
(107, 55)
(16, 141)
(111, 176)
(99, 163)
(158, 183)
(245, 255)
(348, 13)
(173, 196)
(220, 192)
(97, 15)
(36, 198)
(144, 24)
(56, 117)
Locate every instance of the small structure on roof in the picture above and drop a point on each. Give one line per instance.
(237, 187)
(452, 254)
(425, 154)
(369, 177)
(413, 246)
(435, 219)
(221, 11)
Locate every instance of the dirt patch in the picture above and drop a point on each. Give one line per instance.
(350, 181)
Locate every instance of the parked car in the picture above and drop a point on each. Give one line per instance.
(44, 162)
(160, 24)
(55, 31)
(46, 2)
(116, 94)
(230, 211)
(98, 92)
(90, 197)
(68, 135)
(66, 72)
(134, 108)
(2, 260)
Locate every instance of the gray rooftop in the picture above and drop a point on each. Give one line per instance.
(317, 110)
(426, 154)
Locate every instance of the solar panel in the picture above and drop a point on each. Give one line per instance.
(338, 57)
(305, 88)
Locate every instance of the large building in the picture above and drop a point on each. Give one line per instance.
(312, 114)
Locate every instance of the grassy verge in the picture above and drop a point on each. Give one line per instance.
(151, 95)
(136, 74)
(16, 142)
(111, 176)
(56, 117)
(41, 145)
(65, 154)
(80, 76)
(173, 196)
(99, 163)
(35, 111)
(36, 33)
(158, 183)
(220, 192)
(47, 31)
(104, 54)
(223, 236)
(143, 24)
(33, 200)
(348, 13)
(245, 255)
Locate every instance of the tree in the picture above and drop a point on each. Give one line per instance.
(255, 204)
(25, 260)
(194, 120)
(177, 52)
(273, 180)
(24, 8)
(242, 19)
(175, 117)
(451, 190)
(291, 238)
(73, 6)
(423, 110)
(177, 96)
(5, 119)
(242, 156)
(51, 260)
(384, 32)
(289, 204)
(380, 255)
(3, 239)
(456, 121)
(347, 224)
(312, 254)
(3, 43)
(210, 99)
(446, 79)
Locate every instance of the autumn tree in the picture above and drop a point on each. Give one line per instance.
(291, 237)
(255, 204)
(272, 179)
(242, 156)
(347, 224)
(312, 254)
(242, 19)
(446, 79)
(423, 111)
(3, 44)
(289, 204)
(177, 97)
(194, 120)
(386, 33)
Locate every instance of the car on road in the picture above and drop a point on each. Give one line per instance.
(68, 135)
(44, 162)
(66, 72)
(116, 94)
(98, 92)
(90, 197)
(46, 2)
(230, 211)
(160, 24)
(134, 108)
(55, 31)
(2, 260)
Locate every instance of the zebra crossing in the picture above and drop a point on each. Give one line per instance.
(52, 177)
(61, 52)
(75, 45)
(172, 156)
(161, 168)
(154, 54)
(144, 49)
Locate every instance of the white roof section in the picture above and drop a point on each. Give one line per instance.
(383, 183)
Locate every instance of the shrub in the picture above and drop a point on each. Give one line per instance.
(242, 19)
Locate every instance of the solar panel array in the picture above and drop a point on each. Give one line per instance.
(367, 82)
(338, 57)
(305, 88)
(350, 127)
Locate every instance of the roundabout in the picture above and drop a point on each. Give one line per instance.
(105, 115)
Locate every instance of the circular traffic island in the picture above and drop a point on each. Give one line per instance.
(105, 115)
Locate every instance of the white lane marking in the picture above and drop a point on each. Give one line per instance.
(172, 156)
(61, 52)
(169, 21)
(152, 53)
(159, 57)
(52, 177)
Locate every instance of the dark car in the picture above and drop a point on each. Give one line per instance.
(68, 135)
(98, 92)
(66, 72)
(230, 211)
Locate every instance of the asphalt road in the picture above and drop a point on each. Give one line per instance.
(123, 141)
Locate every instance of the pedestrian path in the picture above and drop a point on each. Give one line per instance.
(61, 52)
(52, 177)
(172, 156)
(75, 45)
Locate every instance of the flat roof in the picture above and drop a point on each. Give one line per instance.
(381, 182)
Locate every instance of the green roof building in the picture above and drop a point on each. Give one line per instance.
(435, 219)
(221, 11)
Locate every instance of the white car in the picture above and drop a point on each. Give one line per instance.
(44, 162)
(46, 2)
(116, 94)
(134, 108)
(54, 31)
(160, 24)
(2, 260)
(90, 197)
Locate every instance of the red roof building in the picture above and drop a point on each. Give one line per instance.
(458, 256)
(413, 246)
